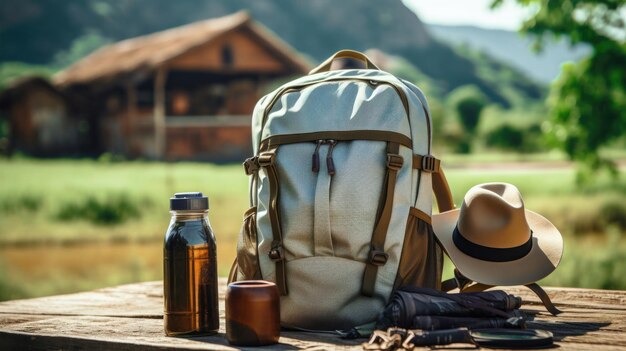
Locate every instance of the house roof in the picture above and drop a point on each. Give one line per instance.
(145, 53)
(20, 86)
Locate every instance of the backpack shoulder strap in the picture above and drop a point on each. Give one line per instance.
(429, 163)
(442, 191)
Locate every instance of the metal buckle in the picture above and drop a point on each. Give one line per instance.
(378, 257)
(276, 252)
(267, 158)
(429, 163)
(394, 161)
(408, 340)
(383, 340)
(251, 165)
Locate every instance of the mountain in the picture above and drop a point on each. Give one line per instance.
(511, 47)
(316, 28)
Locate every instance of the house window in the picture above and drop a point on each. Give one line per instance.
(227, 56)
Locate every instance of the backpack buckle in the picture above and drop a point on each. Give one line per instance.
(251, 165)
(429, 163)
(378, 257)
(267, 158)
(276, 252)
(394, 161)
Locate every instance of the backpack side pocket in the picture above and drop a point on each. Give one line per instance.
(421, 263)
(247, 249)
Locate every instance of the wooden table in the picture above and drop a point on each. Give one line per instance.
(129, 317)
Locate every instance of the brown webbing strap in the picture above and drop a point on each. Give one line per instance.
(461, 280)
(416, 212)
(430, 164)
(442, 191)
(426, 163)
(476, 287)
(377, 256)
(267, 160)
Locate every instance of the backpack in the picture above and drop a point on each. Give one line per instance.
(341, 195)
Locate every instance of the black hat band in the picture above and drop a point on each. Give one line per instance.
(491, 254)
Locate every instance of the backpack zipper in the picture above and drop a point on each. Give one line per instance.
(330, 163)
(315, 163)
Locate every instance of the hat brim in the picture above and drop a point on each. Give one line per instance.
(543, 258)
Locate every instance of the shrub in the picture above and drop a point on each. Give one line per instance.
(108, 157)
(505, 137)
(114, 209)
(614, 213)
(24, 202)
(513, 138)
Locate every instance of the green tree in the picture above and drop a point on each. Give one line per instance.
(80, 47)
(468, 102)
(588, 102)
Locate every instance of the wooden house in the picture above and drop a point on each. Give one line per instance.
(39, 119)
(183, 93)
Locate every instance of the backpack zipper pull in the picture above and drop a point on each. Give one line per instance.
(315, 167)
(330, 164)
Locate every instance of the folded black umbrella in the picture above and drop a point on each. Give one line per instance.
(409, 303)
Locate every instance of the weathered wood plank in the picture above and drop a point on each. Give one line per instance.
(130, 317)
(142, 300)
(140, 333)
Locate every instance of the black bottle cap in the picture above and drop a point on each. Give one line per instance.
(189, 202)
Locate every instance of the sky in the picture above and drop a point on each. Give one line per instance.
(470, 12)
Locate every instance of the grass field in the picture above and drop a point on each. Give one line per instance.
(69, 225)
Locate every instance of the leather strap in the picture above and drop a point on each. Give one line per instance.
(442, 191)
(465, 286)
(545, 299)
(377, 255)
(267, 160)
(443, 195)
(416, 212)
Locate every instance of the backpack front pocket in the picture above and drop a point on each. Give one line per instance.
(421, 262)
(332, 191)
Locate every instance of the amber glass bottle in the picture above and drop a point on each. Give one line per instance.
(190, 268)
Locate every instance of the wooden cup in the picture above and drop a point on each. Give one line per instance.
(252, 313)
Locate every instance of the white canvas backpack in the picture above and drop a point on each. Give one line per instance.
(341, 189)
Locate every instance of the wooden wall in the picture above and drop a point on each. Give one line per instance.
(40, 125)
(248, 56)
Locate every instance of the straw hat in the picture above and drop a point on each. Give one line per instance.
(493, 240)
